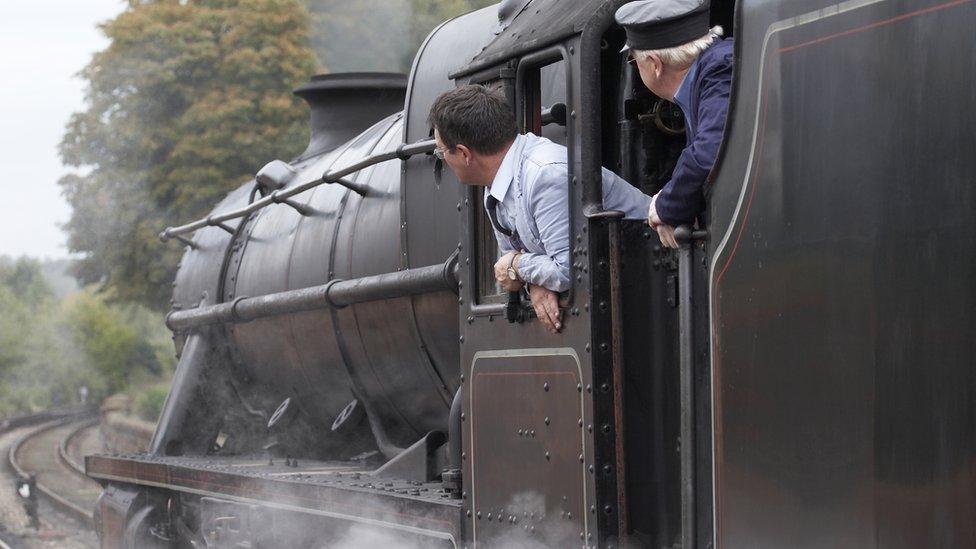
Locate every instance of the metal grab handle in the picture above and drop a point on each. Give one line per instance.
(686, 237)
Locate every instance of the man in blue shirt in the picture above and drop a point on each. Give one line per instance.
(527, 191)
(681, 60)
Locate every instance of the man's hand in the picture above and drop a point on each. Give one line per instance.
(546, 305)
(666, 234)
(652, 218)
(501, 273)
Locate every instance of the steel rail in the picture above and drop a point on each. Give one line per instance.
(403, 152)
(63, 455)
(334, 294)
(65, 506)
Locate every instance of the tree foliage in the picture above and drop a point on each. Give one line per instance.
(49, 347)
(188, 100)
(379, 35)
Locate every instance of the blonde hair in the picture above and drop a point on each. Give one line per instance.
(683, 55)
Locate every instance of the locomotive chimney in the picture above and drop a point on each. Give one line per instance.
(344, 104)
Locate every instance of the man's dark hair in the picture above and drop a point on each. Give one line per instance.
(474, 116)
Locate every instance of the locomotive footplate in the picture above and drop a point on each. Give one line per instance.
(340, 491)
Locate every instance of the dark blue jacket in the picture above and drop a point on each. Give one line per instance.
(681, 200)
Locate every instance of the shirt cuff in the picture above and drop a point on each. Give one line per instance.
(541, 270)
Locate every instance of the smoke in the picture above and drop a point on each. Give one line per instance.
(551, 531)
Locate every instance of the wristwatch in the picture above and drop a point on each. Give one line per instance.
(512, 273)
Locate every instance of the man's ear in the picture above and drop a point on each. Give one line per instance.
(657, 64)
(465, 153)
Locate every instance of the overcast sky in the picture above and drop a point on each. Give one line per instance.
(43, 44)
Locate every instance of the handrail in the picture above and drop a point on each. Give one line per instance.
(403, 152)
(335, 294)
(686, 237)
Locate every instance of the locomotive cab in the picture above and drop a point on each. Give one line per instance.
(603, 406)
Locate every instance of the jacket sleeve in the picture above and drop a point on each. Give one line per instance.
(681, 199)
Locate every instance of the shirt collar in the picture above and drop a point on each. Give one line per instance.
(683, 96)
(506, 171)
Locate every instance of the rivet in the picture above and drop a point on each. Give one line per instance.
(589, 388)
(464, 455)
(580, 422)
(462, 378)
(572, 50)
(459, 206)
(545, 386)
(607, 509)
(589, 428)
(581, 458)
(460, 300)
(519, 432)
(607, 469)
(461, 339)
(479, 514)
(590, 469)
(592, 510)
(462, 416)
(546, 420)
(532, 433)
(603, 306)
(469, 513)
(489, 516)
(604, 347)
(605, 388)
(605, 428)
(579, 388)
(587, 347)
(547, 455)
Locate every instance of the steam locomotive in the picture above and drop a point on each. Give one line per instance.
(798, 373)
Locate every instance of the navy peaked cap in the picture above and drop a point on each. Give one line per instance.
(658, 24)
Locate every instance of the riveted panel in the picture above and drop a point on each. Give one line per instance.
(528, 459)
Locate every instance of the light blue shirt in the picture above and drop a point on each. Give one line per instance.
(532, 189)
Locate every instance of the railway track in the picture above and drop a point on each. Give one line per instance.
(48, 445)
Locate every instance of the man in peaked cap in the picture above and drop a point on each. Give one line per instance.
(682, 60)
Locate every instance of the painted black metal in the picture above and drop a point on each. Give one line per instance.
(842, 304)
(540, 24)
(686, 237)
(339, 103)
(421, 462)
(336, 294)
(336, 176)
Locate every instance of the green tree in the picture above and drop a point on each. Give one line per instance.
(189, 99)
(104, 336)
